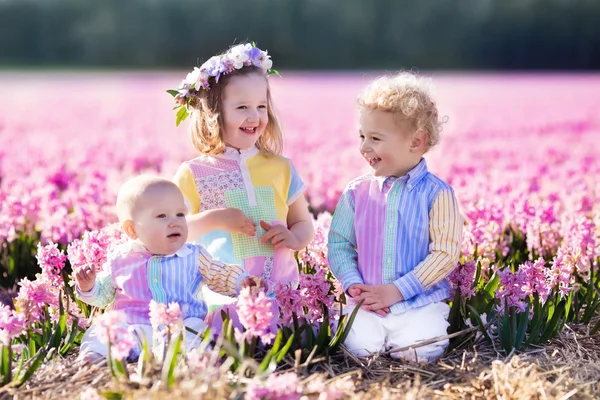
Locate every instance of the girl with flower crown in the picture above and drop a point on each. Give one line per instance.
(246, 200)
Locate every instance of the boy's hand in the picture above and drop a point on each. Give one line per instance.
(85, 278)
(279, 236)
(254, 281)
(354, 291)
(234, 220)
(377, 298)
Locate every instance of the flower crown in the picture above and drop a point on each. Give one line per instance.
(242, 55)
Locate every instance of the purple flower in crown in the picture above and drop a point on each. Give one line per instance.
(214, 67)
(255, 55)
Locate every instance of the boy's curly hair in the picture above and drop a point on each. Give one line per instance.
(407, 96)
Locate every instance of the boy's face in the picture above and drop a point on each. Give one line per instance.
(159, 221)
(387, 144)
(244, 108)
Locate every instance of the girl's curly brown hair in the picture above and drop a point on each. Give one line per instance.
(407, 96)
(207, 118)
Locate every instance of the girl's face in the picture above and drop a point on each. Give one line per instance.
(244, 106)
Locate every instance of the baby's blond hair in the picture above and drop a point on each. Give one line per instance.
(135, 189)
(407, 96)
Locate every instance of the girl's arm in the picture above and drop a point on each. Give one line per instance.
(202, 222)
(300, 223)
(229, 219)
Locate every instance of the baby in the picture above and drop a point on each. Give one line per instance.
(155, 264)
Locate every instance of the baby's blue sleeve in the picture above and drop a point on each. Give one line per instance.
(297, 186)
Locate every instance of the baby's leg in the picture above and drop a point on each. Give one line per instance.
(92, 350)
(416, 325)
(142, 331)
(367, 334)
(193, 340)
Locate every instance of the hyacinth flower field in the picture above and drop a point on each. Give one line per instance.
(521, 151)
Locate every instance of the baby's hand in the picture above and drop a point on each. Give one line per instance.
(254, 282)
(85, 278)
(279, 236)
(234, 220)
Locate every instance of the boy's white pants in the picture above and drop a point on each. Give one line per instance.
(91, 343)
(371, 333)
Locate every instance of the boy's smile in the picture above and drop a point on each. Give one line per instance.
(387, 143)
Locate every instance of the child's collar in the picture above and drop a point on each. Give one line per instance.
(133, 246)
(235, 154)
(410, 179)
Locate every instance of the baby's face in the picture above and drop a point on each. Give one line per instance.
(159, 221)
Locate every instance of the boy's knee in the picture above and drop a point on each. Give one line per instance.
(366, 336)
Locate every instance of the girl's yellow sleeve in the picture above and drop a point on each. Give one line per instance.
(184, 178)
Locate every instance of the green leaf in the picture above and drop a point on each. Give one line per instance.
(521, 328)
(324, 330)
(590, 309)
(454, 316)
(504, 330)
(112, 395)
(569, 305)
(492, 285)
(37, 361)
(182, 114)
(285, 349)
(6, 364)
(121, 369)
(71, 338)
(349, 324)
(479, 321)
(552, 326)
(267, 364)
(173, 92)
(171, 361)
(539, 315)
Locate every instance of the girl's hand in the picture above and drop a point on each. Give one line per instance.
(279, 236)
(85, 278)
(234, 220)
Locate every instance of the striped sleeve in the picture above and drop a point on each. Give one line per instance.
(184, 179)
(222, 278)
(103, 293)
(341, 243)
(445, 234)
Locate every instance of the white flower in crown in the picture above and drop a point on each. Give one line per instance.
(239, 55)
(267, 63)
(193, 77)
